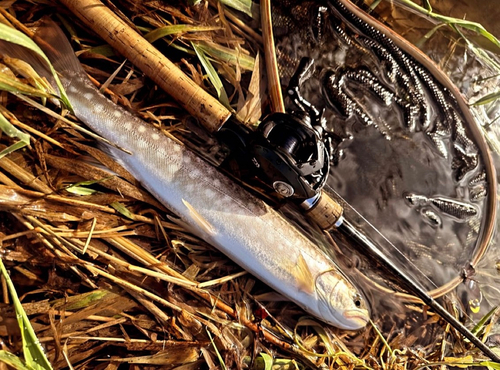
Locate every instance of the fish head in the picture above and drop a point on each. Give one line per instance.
(339, 302)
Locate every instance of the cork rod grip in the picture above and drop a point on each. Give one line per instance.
(326, 212)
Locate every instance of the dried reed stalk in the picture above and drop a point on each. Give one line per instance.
(273, 77)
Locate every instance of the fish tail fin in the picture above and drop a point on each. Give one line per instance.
(55, 44)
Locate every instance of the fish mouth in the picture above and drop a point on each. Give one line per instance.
(358, 318)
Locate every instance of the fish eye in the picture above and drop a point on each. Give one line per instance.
(357, 300)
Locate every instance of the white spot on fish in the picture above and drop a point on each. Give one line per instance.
(155, 136)
(216, 183)
(88, 96)
(142, 129)
(98, 108)
(195, 174)
(177, 147)
(117, 113)
(72, 89)
(128, 125)
(209, 193)
(187, 159)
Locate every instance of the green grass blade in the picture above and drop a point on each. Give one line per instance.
(490, 365)
(80, 188)
(12, 148)
(382, 338)
(34, 354)
(16, 37)
(427, 5)
(11, 131)
(28, 72)
(483, 320)
(83, 300)
(479, 52)
(228, 55)
(15, 86)
(458, 363)
(213, 76)
(120, 208)
(221, 360)
(244, 6)
(489, 98)
(104, 50)
(373, 5)
(473, 26)
(176, 29)
(428, 35)
(13, 361)
(268, 361)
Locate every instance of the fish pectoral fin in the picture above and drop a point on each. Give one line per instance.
(305, 280)
(199, 219)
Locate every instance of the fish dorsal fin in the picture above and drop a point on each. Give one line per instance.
(305, 280)
(199, 219)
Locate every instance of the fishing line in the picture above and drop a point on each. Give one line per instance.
(346, 205)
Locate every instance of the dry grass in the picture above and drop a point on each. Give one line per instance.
(107, 278)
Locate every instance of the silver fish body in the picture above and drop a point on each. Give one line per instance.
(219, 211)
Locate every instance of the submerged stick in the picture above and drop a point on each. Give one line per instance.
(149, 60)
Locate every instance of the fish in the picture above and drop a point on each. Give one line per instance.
(217, 210)
(456, 209)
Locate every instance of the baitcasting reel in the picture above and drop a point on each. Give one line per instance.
(289, 152)
(291, 155)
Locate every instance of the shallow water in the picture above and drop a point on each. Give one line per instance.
(404, 173)
(475, 78)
